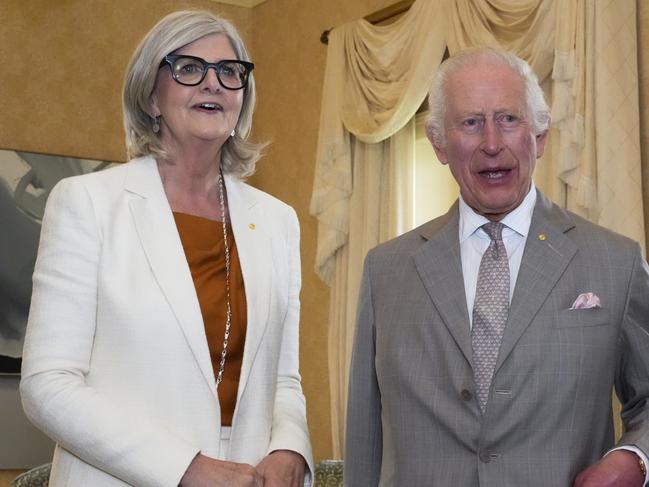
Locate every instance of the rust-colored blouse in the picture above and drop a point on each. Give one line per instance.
(202, 241)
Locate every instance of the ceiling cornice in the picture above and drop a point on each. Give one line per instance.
(241, 3)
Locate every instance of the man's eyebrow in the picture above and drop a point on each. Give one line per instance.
(498, 111)
(510, 110)
(471, 113)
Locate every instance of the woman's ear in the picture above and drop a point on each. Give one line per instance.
(154, 110)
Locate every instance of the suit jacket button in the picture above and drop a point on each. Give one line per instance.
(466, 394)
(485, 457)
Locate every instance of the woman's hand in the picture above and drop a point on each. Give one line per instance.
(209, 472)
(282, 468)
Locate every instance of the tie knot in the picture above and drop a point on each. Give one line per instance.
(494, 230)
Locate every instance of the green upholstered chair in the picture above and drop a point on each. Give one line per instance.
(329, 473)
(36, 477)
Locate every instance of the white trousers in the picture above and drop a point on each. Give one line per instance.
(225, 441)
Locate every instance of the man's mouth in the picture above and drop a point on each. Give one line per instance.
(495, 174)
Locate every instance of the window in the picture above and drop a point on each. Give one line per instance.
(433, 188)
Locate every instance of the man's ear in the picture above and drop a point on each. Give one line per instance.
(439, 150)
(440, 153)
(540, 143)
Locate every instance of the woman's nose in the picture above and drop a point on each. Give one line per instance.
(211, 81)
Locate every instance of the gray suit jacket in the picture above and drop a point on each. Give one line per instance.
(412, 417)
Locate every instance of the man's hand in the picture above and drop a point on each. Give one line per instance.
(618, 468)
(282, 468)
(209, 472)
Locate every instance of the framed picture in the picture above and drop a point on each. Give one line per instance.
(26, 180)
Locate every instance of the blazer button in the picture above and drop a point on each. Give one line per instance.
(466, 395)
(484, 457)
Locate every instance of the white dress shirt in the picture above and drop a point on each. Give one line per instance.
(474, 241)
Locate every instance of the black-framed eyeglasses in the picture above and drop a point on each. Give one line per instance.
(191, 70)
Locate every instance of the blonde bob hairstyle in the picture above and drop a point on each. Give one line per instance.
(238, 156)
(537, 109)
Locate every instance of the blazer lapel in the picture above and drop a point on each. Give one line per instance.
(440, 269)
(254, 247)
(548, 252)
(159, 238)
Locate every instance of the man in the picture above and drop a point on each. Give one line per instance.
(486, 355)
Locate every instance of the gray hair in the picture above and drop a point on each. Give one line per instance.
(238, 156)
(537, 109)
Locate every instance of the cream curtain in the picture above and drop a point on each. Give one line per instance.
(380, 177)
(584, 52)
(376, 78)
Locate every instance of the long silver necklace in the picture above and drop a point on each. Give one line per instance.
(228, 313)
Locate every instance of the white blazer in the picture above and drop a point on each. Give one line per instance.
(116, 367)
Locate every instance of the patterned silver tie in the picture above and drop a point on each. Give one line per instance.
(489, 311)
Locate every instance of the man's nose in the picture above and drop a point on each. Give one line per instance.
(492, 138)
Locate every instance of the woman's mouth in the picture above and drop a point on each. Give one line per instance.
(208, 107)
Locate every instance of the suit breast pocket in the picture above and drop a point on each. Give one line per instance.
(577, 318)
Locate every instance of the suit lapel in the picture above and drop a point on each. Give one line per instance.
(548, 251)
(439, 266)
(254, 247)
(159, 238)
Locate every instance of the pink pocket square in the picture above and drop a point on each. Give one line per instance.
(586, 301)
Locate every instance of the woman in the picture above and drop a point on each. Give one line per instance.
(166, 289)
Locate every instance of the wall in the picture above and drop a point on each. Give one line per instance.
(63, 66)
(21, 445)
(643, 74)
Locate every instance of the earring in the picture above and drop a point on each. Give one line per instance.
(156, 124)
(233, 133)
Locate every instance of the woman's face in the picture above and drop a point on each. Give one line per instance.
(205, 113)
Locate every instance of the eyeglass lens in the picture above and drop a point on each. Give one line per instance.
(191, 71)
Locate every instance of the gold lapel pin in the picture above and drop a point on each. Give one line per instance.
(251, 226)
(542, 237)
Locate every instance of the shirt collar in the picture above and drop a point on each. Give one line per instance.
(518, 220)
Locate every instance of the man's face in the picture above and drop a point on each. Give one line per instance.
(490, 147)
